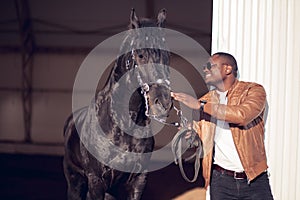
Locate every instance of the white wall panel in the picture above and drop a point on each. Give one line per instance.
(264, 38)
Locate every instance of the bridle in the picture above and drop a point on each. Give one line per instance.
(145, 88)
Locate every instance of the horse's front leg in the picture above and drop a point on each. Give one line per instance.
(77, 183)
(96, 190)
(137, 186)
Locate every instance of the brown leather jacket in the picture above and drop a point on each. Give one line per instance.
(244, 112)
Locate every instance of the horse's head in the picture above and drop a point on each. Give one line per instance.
(145, 64)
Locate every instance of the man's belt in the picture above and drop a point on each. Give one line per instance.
(235, 175)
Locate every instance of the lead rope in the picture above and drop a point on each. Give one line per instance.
(177, 152)
(177, 147)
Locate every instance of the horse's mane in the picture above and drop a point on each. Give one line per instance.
(129, 43)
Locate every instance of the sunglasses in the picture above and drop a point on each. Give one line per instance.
(208, 66)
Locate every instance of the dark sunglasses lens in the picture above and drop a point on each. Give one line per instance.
(207, 66)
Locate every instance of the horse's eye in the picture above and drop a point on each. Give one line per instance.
(141, 56)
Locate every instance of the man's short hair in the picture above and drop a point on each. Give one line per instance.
(228, 59)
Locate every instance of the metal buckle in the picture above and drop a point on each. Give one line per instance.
(236, 178)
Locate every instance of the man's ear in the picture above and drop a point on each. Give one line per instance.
(228, 69)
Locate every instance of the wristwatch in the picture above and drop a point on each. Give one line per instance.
(202, 103)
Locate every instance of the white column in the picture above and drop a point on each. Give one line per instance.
(263, 35)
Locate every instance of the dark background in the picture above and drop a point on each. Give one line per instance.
(33, 177)
(30, 158)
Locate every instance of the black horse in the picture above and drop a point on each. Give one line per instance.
(108, 143)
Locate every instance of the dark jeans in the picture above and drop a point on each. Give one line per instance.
(224, 187)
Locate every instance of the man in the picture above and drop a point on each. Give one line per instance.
(232, 131)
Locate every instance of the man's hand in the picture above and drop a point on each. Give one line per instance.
(186, 99)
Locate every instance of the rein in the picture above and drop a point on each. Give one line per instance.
(194, 140)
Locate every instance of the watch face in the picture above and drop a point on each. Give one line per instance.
(203, 102)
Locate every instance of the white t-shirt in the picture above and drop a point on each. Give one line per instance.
(226, 154)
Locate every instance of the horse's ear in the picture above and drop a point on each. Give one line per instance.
(161, 18)
(134, 20)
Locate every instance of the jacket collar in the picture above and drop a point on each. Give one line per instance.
(214, 96)
(232, 87)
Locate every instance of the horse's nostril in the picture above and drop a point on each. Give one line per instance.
(156, 101)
